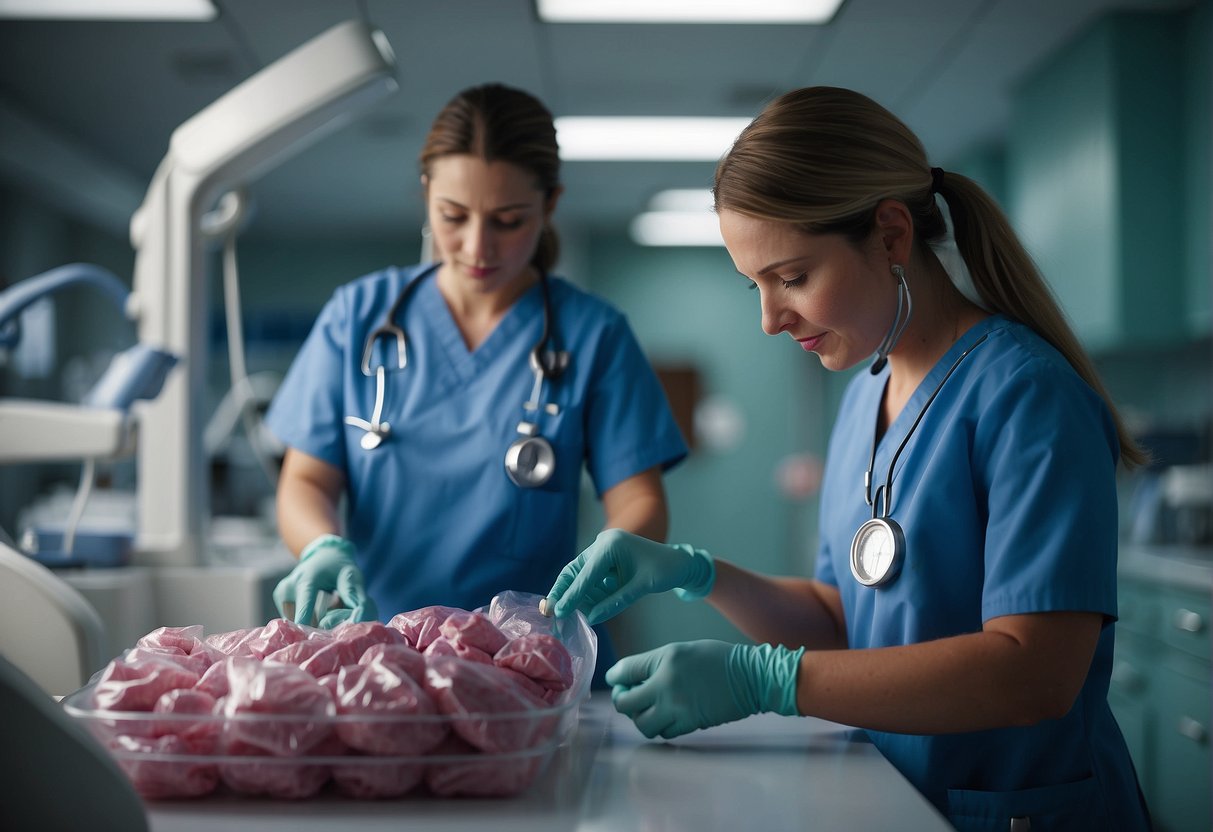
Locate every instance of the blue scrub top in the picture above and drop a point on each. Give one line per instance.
(1006, 494)
(432, 511)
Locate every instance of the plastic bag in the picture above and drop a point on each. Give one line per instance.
(281, 710)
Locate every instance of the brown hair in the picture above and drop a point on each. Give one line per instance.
(822, 158)
(500, 123)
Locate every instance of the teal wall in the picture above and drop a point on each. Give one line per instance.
(294, 273)
(1150, 128)
(1061, 167)
(987, 166)
(1108, 182)
(1099, 176)
(1198, 166)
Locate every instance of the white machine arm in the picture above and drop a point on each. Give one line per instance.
(254, 127)
(42, 431)
(100, 427)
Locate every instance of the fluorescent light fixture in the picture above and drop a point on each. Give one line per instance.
(684, 199)
(678, 217)
(676, 228)
(108, 9)
(687, 11)
(640, 138)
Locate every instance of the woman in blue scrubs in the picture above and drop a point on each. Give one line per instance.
(432, 513)
(964, 601)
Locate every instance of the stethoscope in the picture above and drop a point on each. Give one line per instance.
(530, 459)
(879, 546)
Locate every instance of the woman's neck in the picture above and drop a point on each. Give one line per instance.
(476, 309)
(941, 316)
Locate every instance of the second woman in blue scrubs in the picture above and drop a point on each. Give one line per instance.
(980, 667)
(431, 514)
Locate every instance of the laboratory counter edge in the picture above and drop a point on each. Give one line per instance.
(763, 772)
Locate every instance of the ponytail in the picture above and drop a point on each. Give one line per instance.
(1009, 283)
(547, 253)
(822, 158)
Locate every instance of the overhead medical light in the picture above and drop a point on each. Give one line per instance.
(678, 218)
(267, 118)
(109, 10)
(639, 138)
(687, 11)
(683, 199)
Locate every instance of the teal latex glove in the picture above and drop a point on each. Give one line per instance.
(325, 565)
(619, 568)
(689, 685)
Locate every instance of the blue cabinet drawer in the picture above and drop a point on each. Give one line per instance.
(1184, 621)
(1179, 790)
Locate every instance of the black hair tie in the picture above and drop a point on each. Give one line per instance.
(936, 180)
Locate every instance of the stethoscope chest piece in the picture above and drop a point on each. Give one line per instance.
(879, 547)
(530, 460)
(877, 552)
(372, 438)
(375, 430)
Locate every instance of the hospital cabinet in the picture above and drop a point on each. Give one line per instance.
(1160, 689)
(1109, 178)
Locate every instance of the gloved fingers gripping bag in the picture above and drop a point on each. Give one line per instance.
(439, 701)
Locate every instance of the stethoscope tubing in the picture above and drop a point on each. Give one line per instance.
(887, 496)
(882, 524)
(391, 329)
(530, 459)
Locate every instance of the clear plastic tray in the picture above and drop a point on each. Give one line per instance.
(524, 742)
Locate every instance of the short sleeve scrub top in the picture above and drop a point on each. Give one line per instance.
(1006, 496)
(432, 512)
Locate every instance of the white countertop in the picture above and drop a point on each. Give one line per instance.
(764, 773)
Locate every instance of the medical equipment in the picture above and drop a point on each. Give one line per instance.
(56, 775)
(98, 427)
(530, 459)
(102, 426)
(223, 223)
(878, 548)
(243, 134)
(273, 114)
(70, 640)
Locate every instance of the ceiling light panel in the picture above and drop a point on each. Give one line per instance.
(683, 199)
(676, 228)
(687, 11)
(637, 138)
(199, 10)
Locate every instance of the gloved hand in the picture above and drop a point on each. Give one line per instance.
(325, 565)
(689, 685)
(619, 568)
